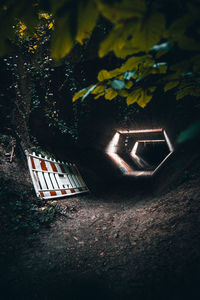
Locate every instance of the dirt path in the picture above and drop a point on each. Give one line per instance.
(113, 247)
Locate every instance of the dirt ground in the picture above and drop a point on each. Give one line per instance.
(113, 246)
(122, 242)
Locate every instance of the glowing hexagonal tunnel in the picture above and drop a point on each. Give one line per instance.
(140, 152)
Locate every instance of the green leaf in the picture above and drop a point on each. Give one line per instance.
(170, 85)
(161, 67)
(184, 92)
(190, 133)
(108, 44)
(160, 53)
(133, 96)
(99, 95)
(128, 49)
(144, 99)
(123, 45)
(117, 39)
(149, 32)
(117, 84)
(141, 96)
(104, 75)
(129, 74)
(133, 62)
(110, 94)
(79, 95)
(128, 85)
(88, 91)
(123, 93)
(62, 41)
(99, 89)
(87, 18)
(123, 10)
(115, 72)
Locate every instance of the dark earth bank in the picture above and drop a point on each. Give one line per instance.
(125, 241)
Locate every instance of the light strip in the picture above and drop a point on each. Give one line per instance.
(133, 152)
(140, 173)
(151, 141)
(168, 141)
(113, 144)
(141, 162)
(140, 131)
(136, 158)
(162, 163)
(124, 167)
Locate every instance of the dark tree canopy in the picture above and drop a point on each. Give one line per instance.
(152, 46)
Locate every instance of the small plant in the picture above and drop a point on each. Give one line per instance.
(20, 212)
(5, 140)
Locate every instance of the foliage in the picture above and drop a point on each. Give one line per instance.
(31, 65)
(191, 132)
(5, 140)
(144, 35)
(74, 21)
(141, 35)
(21, 212)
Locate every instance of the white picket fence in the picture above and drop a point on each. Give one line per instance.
(54, 179)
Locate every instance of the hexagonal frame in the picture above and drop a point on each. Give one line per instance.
(125, 168)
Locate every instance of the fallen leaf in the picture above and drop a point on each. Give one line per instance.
(81, 243)
(133, 243)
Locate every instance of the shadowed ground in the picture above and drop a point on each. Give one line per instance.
(119, 245)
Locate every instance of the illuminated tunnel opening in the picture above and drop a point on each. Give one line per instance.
(152, 153)
(140, 152)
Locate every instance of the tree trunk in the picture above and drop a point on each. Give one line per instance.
(22, 103)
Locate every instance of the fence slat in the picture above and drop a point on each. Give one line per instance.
(51, 175)
(71, 179)
(76, 176)
(54, 179)
(73, 176)
(39, 173)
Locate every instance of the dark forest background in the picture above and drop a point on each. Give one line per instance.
(72, 73)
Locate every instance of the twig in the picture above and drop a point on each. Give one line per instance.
(93, 222)
(12, 153)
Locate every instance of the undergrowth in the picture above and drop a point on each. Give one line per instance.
(21, 212)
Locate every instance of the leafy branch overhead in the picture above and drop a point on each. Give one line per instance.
(74, 21)
(143, 35)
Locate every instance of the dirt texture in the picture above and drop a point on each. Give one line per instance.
(124, 241)
(120, 245)
(15, 171)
